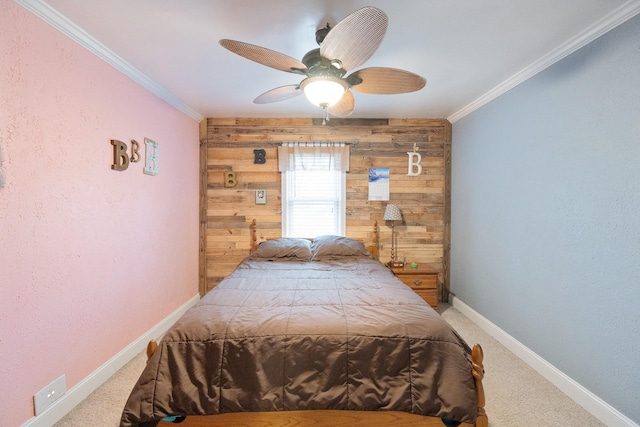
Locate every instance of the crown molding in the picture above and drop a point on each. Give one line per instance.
(45, 12)
(625, 12)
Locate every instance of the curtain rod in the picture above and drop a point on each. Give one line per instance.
(317, 144)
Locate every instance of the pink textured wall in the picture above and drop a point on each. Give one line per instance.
(90, 258)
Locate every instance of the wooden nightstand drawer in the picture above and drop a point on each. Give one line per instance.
(423, 283)
(419, 281)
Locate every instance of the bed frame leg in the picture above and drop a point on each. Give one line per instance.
(477, 356)
(253, 235)
(151, 348)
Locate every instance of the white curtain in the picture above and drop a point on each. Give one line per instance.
(313, 156)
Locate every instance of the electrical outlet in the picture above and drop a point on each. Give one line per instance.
(49, 394)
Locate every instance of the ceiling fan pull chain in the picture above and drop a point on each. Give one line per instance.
(325, 115)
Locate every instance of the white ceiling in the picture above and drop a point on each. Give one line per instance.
(468, 50)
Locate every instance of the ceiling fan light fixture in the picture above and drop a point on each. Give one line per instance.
(323, 91)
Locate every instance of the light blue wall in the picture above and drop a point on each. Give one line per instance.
(546, 215)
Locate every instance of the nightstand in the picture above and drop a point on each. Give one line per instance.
(424, 282)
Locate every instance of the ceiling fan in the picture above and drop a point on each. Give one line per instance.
(344, 47)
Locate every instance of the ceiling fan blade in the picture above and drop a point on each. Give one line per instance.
(278, 94)
(265, 56)
(383, 80)
(354, 39)
(344, 107)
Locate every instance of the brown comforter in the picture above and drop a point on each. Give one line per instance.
(336, 334)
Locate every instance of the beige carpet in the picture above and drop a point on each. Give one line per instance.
(516, 395)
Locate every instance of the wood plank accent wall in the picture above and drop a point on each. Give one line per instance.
(424, 200)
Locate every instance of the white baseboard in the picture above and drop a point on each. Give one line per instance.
(589, 401)
(84, 388)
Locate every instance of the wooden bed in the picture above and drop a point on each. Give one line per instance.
(342, 417)
(328, 418)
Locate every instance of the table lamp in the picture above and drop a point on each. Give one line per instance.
(392, 213)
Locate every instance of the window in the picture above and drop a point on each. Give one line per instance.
(313, 203)
(313, 189)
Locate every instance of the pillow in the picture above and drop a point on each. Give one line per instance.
(336, 246)
(284, 248)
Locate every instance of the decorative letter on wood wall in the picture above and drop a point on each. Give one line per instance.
(120, 156)
(151, 157)
(415, 168)
(230, 179)
(259, 157)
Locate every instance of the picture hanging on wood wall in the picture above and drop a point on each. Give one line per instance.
(379, 184)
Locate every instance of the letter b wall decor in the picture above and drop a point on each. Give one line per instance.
(122, 158)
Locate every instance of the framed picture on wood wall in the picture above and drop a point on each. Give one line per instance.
(379, 184)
